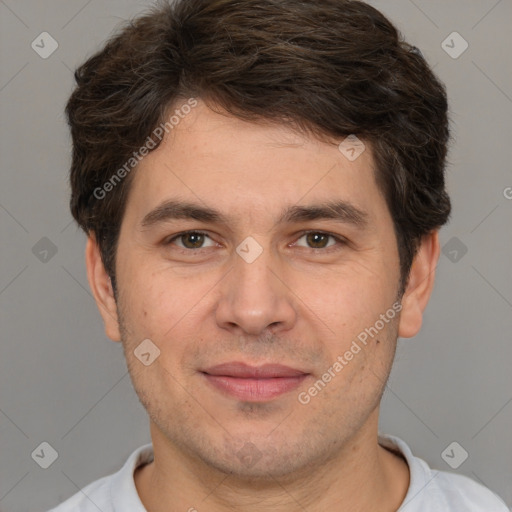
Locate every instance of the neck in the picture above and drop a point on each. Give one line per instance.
(358, 477)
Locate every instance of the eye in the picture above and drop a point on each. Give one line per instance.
(319, 240)
(190, 240)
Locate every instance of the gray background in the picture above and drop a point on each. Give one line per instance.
(62, 381)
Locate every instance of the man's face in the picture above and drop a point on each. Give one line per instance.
(298, 292)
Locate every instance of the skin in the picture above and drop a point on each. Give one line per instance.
(298, 304)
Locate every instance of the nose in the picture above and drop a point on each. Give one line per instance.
(255, 297)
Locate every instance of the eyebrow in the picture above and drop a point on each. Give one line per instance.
(338, 210)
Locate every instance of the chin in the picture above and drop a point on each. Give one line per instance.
(262, 459)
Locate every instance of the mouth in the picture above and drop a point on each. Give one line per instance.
(254, 383)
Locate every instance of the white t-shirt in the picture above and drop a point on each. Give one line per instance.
(429, 490)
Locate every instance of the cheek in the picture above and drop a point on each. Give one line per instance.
(160, 303)
(347, 305)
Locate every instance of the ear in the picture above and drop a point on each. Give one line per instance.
(419, 286)
(101, 287)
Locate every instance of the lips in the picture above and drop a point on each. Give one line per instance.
(254, 383)
(245, 371)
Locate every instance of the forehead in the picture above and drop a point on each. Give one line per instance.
(250, 169)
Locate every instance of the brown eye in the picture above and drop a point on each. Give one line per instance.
(190, 240)
(317, 240)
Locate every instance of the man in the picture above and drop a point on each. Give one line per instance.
(262, 185)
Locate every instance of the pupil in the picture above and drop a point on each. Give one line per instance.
(316, 240)
(195, 238)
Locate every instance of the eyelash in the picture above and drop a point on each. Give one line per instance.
(340, 240)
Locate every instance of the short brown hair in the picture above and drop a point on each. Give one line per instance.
(330, 68)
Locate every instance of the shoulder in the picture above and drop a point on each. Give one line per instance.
(434, 491)
(462, 493)
(112, 492)
(94, 496)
